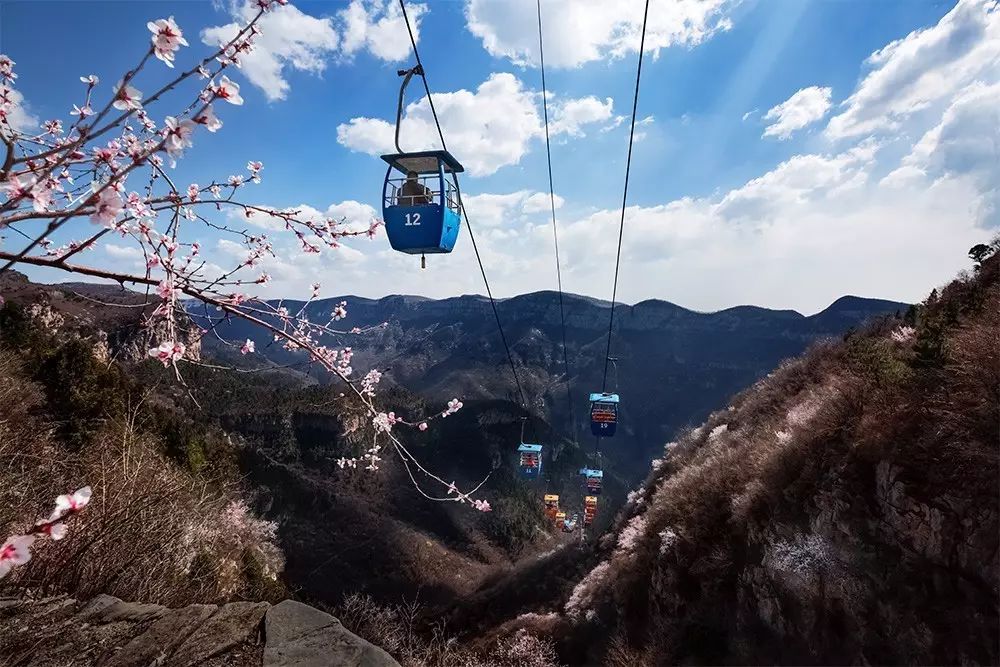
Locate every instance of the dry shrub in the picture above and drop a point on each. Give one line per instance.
(622, 654)
(395, 629)
(151, 532)
(587, 591)
(972, 407)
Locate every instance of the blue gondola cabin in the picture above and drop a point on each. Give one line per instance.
(593, 480)
(603, 414)
(420, 204)
(530, 459)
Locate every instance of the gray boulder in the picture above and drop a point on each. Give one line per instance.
(301, 636)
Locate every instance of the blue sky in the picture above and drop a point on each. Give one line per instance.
(875, 177)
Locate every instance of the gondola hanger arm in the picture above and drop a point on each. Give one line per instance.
(407, 74)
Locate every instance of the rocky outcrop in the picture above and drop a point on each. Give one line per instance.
(842, 511)
(300, 635)
(107, 632)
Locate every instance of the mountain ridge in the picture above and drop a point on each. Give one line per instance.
(448, 348)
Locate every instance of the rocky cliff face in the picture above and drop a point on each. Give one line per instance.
(109, 316)
(843, 510)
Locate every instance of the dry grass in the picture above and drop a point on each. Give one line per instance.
(395, 629)
(152, 532)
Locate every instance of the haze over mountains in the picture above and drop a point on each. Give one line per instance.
(673, 365)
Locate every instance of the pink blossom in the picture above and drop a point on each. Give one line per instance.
(340, 312)
(152, 262)
(16, 189)
(208, 119)
(192, 192)
(203, 73)
(56, 531)
(383, 421)
(167, 352)
(7, 68)
(235, 181)
(177, 135)
(109, 204)
(315, 290)
(167, 39)
(70, 503)
(41, 196)
(53, 127)
(136, 206)
(82, 112)
(90, 80)
(228, 90)
(454, 405)
(215, 190)
(423, 426)
(264, 279)
(166, 289)
(146, 121)
(482, 505)
(127, 98)
(368, 382)
(15, 551)
(255, 168)
(248, 347)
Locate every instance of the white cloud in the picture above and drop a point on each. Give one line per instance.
(586, 30)
(615, 122)
(486, 129)
(18, 116)
(507, 210)
(927, 68)
(647, 123)
(353, 214)
(293, 40)
(122, 252)
(289, 39)
(571, 116)
(965, 143)
(801, 109)
(799, 235)
(232, 249)
(378, 26)
(540, 202)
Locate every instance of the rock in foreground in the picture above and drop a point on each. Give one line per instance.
(108, 632)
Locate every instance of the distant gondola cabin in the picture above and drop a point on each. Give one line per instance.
(593, 480)
(589, 510)
(603, 414)
(420, 202)
(551, 505)
(530, 459)
(560, 516)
